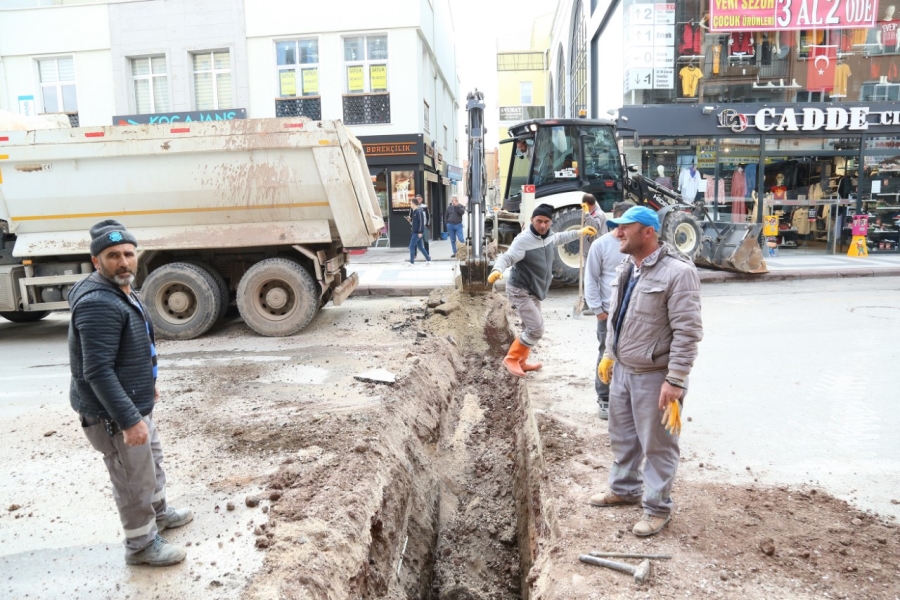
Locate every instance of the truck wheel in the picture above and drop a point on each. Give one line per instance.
(684, 233)
(182, 300)
(565, 259)
(24, 317)
(277, 297)
(224, 292)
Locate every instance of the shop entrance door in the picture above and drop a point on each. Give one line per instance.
(379, 180)
(802, 191)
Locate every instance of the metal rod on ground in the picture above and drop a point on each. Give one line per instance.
(631, 555)
(640, 572)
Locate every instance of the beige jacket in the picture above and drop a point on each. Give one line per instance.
(662, 324)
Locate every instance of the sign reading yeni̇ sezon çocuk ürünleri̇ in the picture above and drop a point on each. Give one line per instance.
(768, 15)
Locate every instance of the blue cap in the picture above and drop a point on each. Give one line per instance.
(639, 214)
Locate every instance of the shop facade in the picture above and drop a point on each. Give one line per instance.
(786, 109)
(813, 166)
(402, 167)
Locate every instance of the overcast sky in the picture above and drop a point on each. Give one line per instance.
(478, 24)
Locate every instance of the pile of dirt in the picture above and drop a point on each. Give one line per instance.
(751, 542)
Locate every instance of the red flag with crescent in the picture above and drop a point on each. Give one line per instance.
(821, 65)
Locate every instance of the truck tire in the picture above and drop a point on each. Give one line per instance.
(221, 284)
(683, 232)
(565, 258)
(277, 297)
(24, 317)
(182, 300)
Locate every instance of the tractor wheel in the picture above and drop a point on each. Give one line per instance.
(566, 261)
(683, 232)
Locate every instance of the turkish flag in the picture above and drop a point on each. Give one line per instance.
(820, 68)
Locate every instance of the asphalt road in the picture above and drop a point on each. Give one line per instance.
(795, 380)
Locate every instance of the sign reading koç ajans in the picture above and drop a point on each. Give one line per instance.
(182, 117)
(766, 15)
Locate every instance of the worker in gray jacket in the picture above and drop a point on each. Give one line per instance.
(654, 330)
(531, 257)
(600, 271)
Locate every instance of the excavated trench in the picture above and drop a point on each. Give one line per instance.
(440, 499)
(473, 532)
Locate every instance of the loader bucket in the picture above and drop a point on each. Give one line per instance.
(731, 247)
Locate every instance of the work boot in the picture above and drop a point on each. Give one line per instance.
(158, 554)
(514, 357)
(174, 518)
(526, 367)
(650, 525)
(604, 410)
(608, 499)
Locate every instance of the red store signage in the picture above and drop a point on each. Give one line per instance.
(761, 15)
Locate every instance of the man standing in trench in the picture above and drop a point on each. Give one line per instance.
(531, 257)
(599, 273)
(112, 357)
(654, 330)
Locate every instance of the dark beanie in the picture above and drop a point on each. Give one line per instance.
(109, 233)
(543, 210)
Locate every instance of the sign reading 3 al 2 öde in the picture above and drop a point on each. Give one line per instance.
(763, 15)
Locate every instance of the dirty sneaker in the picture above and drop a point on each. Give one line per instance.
(650, 525)
(604, 410)
(158, 554)
(610, 499)
(174, 518)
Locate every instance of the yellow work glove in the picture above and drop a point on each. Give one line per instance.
(604, 370)
(672, 418)
(494, 276)
(586, 208)
(588, 231)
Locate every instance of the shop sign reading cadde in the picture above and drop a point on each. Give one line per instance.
(856, 118)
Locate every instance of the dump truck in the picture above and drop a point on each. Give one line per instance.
(259, 212)
(565, 158)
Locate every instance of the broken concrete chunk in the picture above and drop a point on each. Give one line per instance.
(251, 501)
(49, 433)
(377, 376)
(767, 546)
(13, 507)
(230, 506)
(446, 309)
(421, 334)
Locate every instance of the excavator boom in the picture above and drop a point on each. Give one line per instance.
(476, 267)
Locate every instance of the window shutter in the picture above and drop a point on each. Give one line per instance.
(223, 87)
(48, 70)
(142, 96)
(66, 69)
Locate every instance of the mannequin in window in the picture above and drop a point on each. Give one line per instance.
(690, 77)
(886, 31)
(662, 179)
(779, 190)
(847, 185)
(689, 183)
(738, 192)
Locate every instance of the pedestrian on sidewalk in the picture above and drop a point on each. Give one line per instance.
(112, 356)
(426, 235)
(418, 231)
(453, 218)
(531, 257)
(654, 330)
(600, 271)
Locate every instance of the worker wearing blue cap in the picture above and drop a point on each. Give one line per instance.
(653, 332)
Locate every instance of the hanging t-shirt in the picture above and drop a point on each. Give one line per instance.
(690, 75)
(689, 184)
(779, 192)
(741, 43)
(738, 184)
(841, 75)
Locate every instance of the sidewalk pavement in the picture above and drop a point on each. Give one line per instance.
(386, 271)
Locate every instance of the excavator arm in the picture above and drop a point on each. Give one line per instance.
(475, 269)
